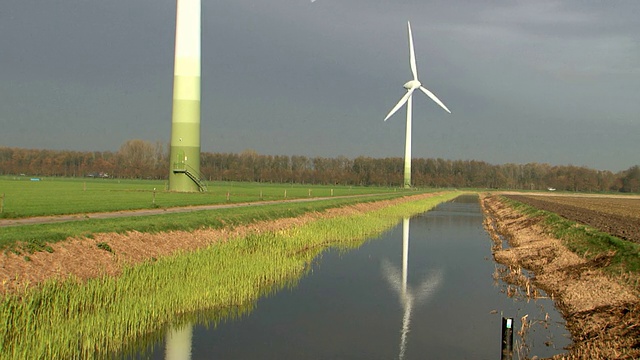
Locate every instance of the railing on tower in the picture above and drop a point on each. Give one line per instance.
(184, 168)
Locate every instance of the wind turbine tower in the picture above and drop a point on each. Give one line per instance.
(184, 161)
(411, 86)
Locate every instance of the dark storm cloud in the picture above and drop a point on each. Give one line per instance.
(544, 81)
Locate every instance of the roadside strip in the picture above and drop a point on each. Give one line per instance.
(173, 210)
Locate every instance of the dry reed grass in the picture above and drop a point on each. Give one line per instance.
(602, 312)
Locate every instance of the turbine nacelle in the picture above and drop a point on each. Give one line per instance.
(413, 84)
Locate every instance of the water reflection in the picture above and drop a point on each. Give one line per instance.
(178, 343)
(408, 296)
(449, 306)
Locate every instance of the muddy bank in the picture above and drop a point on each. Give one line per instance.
(83, 258)
(602, 313)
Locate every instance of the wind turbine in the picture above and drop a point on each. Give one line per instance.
(408, 296)
(411, 86)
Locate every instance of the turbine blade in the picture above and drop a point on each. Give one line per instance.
(412, 54)
(402, 101)
(434, 98)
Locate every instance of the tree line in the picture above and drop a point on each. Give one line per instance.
(143, 159)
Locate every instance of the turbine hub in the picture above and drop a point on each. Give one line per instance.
(413, 84)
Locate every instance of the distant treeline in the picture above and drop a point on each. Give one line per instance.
(143, 159)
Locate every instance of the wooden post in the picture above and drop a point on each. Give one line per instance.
(285, 193)
(507, 339)
(228, 195)
(331, 192)
(260, 194)
(2, 204)
(84, 186)
(309, 192)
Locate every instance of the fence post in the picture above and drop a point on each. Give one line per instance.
(507, 339)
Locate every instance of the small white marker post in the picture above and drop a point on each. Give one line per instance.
(285, 193)
(507, 339)
(154, 196)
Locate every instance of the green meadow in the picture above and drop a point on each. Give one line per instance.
(106, 316)
(59, 196)
(56, 196)
(30, 238)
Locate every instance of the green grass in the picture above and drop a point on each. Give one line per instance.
(31, 238)
(105, 316)
(56, 196)
(585, 240)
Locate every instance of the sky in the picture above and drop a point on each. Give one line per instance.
(541, 81)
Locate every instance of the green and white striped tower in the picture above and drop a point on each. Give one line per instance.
(184, 174)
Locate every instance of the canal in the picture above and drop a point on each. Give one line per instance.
(424, 290)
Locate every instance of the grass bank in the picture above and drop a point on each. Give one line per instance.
(102, 317)
(618, 256)
(30, 238)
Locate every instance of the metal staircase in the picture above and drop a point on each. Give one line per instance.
(182, 168)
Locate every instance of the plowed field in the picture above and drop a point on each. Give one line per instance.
(617, 216)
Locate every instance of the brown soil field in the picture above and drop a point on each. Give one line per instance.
(81, 258)
(602, 311)
(617, 216)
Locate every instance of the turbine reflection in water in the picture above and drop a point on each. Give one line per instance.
(178, 345)
(408, 296)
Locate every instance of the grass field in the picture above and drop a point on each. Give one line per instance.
(31, 238)
(23, 197)
(58, 196)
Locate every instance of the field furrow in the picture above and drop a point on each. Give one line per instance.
(617, 216)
